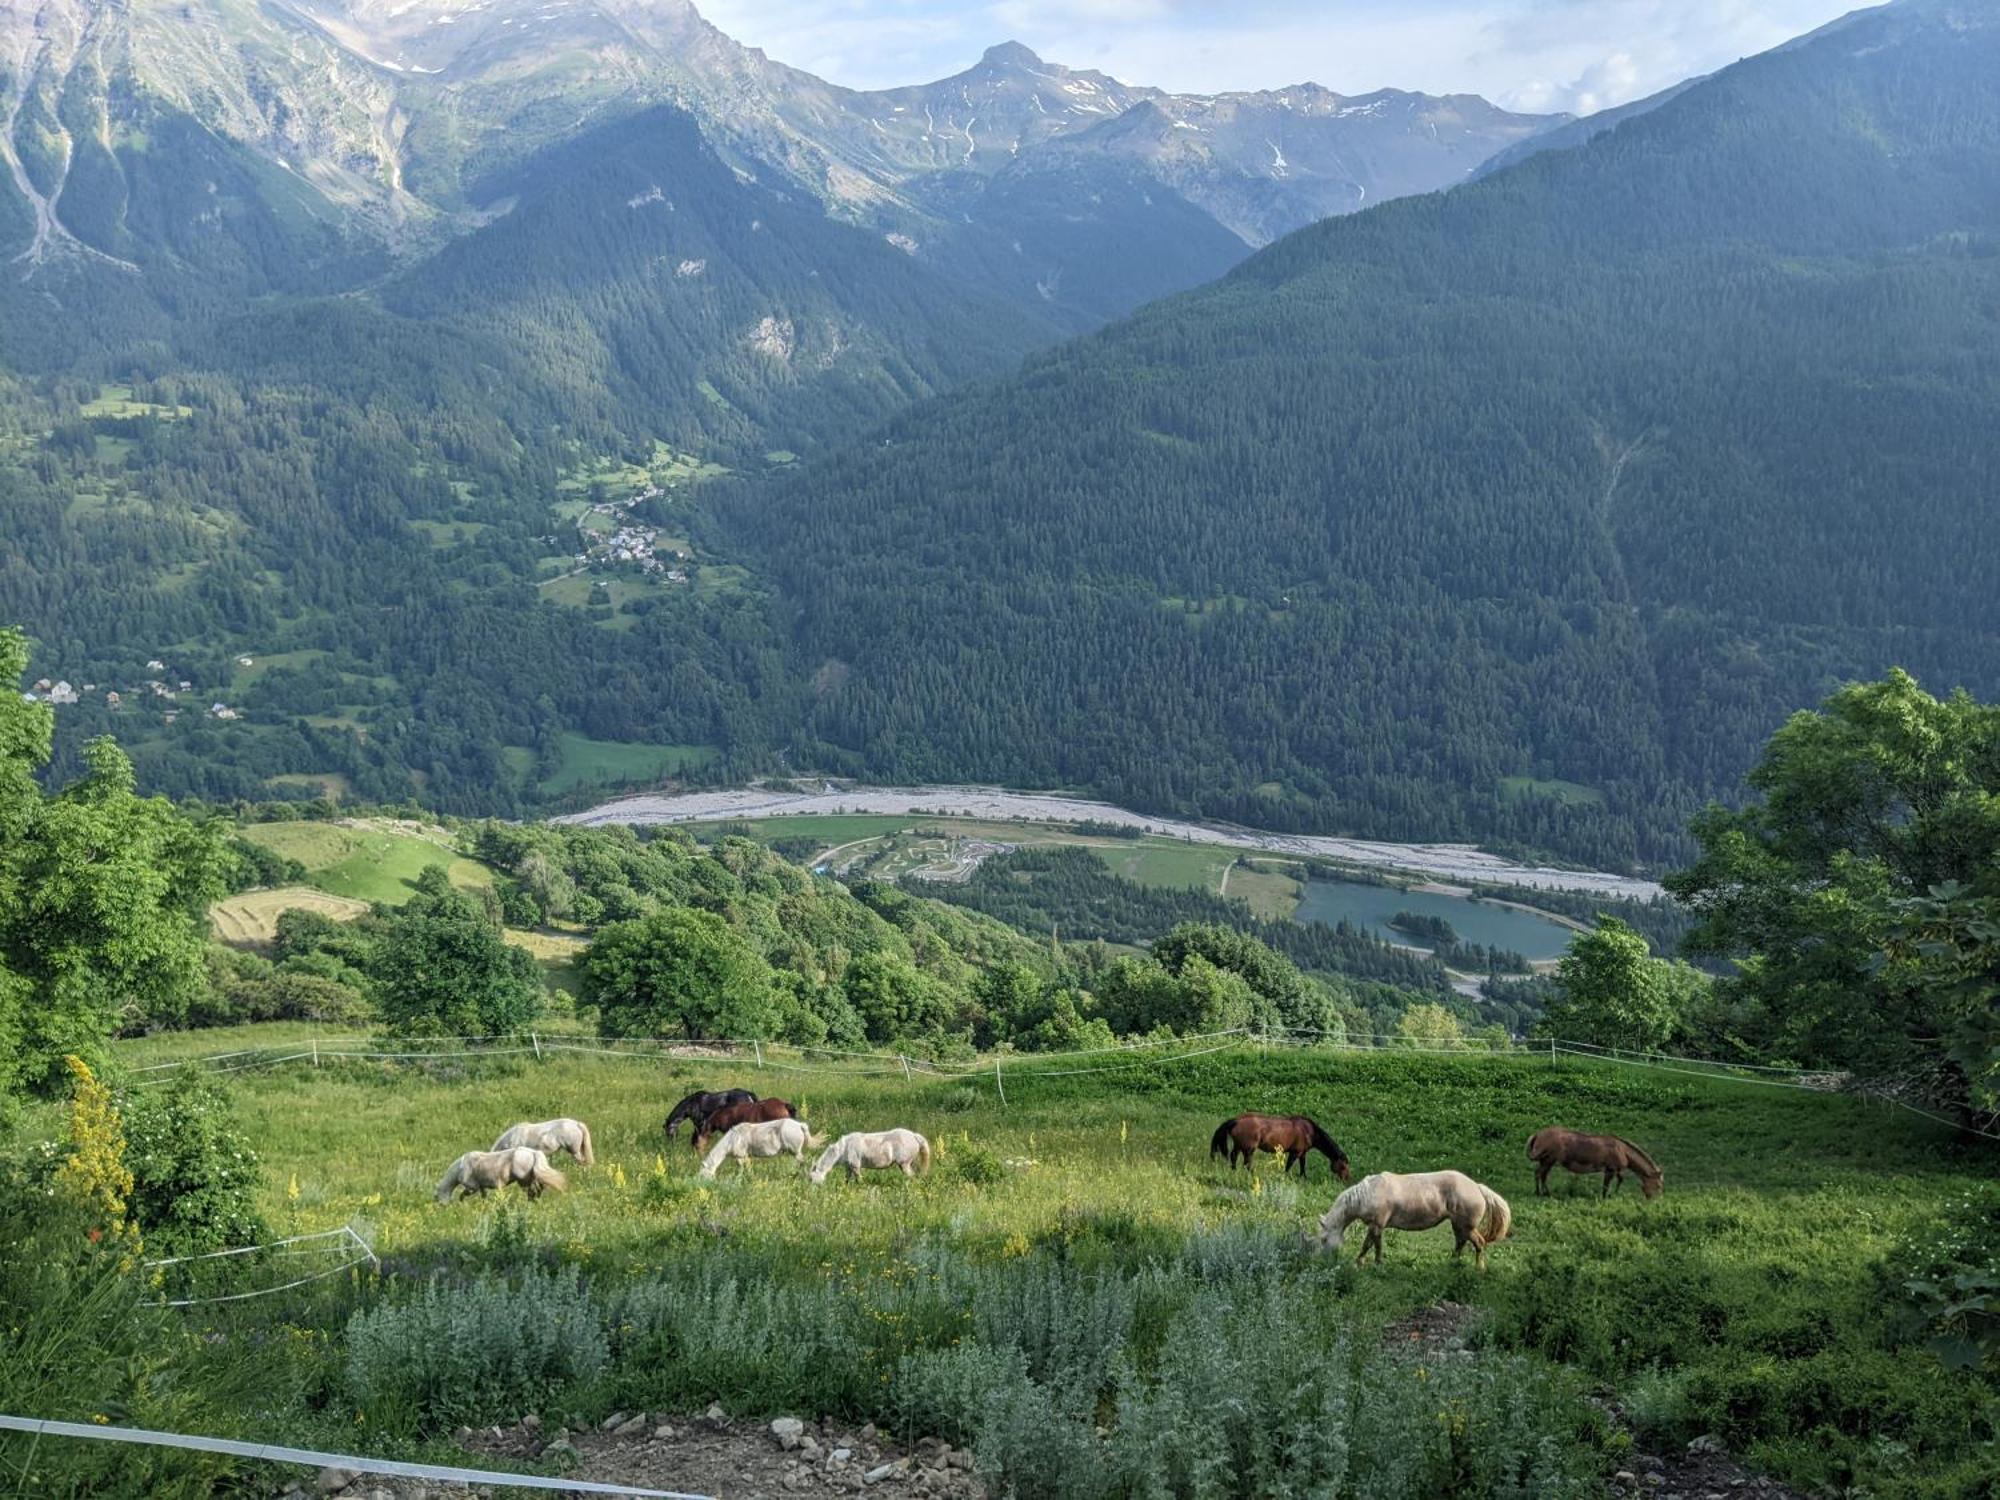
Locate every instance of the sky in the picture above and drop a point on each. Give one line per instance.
(1575, 55)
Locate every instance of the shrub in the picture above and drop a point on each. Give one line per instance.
(969, 1162)
(482, 1350)
(443, 969)
(194, 1176)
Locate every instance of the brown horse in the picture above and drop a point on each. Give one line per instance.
(1557, 1147)
(749, 1112)
(1289, 1135)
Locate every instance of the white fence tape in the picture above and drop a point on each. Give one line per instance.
(346, 1234)
(312, 1458)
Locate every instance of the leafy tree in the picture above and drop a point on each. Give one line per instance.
(103, 898)
(1429, 1025)
(894, 998)
(1612, 992)
(1857, 892)
(442, 968)
(683, 972)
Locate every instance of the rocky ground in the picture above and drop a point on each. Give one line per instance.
(792, 1456)
(1700, 1471)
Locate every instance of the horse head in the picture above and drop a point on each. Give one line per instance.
(1652, 1185)
(1328, 1147)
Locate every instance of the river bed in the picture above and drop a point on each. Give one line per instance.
(1449, 862)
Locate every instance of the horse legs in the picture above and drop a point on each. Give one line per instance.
(909, 1169)
(1542, 1178)
(1604, 1191)
(1372, 1240)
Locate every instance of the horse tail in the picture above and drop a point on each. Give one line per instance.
(1498, 1218)
(1221, 1138)
(1531, 1143)
(547, 1176)
(923, 1154)
(451, 1180)
(585, 1155)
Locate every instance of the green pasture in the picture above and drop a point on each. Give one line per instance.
(370, 862)
(1749, 1302)
(589, 762)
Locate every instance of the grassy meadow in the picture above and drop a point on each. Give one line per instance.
(1748, 1302)
(366, 861)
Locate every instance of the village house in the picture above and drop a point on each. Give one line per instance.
(112, 700)
(62, 693)
(223, 711)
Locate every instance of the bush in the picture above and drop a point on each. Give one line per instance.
(443, 969)
(194, 1176)
(978, 1165)
(478, 1351)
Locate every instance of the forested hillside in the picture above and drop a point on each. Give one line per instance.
(1524, 511)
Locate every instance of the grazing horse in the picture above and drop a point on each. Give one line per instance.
(750, 1112)
(882, 1148)
(483, 1171)
(698, 1107)
(1291, 1135)
(1421, 1200)
(549, 1137)
(760, 1138)
(1556, 1147)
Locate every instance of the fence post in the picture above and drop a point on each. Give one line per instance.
(538, 1045)
(998, 1082)
(315, 1051)
(759, 1045)
(906, 1067)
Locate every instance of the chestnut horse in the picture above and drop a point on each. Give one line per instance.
(1291, 1135)
(749, 1112)
(1556, 1147)
(698, 1107)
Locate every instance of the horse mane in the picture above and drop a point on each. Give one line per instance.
(1322, 1140)
(1647, 1166)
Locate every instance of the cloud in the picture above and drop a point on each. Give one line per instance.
(1575, 55)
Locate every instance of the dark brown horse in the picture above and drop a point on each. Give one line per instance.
(749, 1112)
(1556, 1147)
(698, 1107)
(1291, 1135)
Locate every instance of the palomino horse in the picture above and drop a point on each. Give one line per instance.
(760, 1138)
(750, 1112)
(698, 1107)
(549, 1137)
(881, 1148)
(1557, 1147)
(1290, 1135)
(1421, 1200)
(483, 1171)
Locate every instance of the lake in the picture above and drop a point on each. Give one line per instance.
(1370, 907)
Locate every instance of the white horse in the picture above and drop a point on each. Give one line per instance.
(760, 1138)
(881, 1148)
(483, 1171)
(1421, 1200)
(550, 1136)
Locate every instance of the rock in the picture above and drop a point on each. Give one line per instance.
(959, 1458)
(794, 1480)
(462, 1436)
(868, 1433)
(788, 1431)
(1708, 1442)
(631, 1426)
(715, 1416)
(332, 1479)
(1624, 1476)
(808, 1447)
(664, 1434)
(561, 1452)
(877, 1474)
(531, 1422)
(840, 1455)
(1655, 1481)
(611, 1423)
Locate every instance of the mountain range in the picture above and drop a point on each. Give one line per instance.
(476, 403)
(319, 142)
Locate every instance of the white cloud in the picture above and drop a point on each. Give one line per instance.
(1577, 55)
